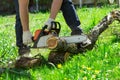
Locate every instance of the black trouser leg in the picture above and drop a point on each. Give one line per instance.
(18, 26)
(71, 17)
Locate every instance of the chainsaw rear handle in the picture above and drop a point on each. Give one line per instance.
(55, 28)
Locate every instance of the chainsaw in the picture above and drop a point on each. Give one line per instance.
(42, 35)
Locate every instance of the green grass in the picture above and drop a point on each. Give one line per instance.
(101, 63)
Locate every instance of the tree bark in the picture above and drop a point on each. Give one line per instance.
(57, 57)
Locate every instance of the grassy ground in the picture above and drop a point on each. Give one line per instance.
(101, 63)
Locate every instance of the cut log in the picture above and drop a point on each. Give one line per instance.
(58, 44)
(55, 43)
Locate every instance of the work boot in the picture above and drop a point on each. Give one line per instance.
(23, 50)
(76, 32)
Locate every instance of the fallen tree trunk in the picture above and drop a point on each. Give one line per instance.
(55, 43)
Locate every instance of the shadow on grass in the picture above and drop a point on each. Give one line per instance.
(21, 74)
(15, 74)
(116, 39)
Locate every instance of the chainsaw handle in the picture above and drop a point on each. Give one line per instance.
(45, 27)
(55, 27)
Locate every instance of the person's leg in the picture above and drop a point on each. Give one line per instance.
(19, 32)
(18, 26)
(73, 21)
(71, 17)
